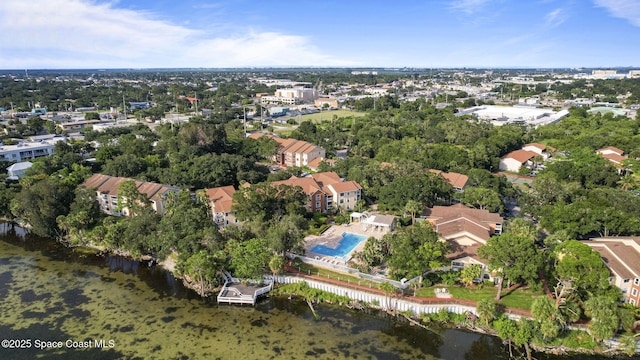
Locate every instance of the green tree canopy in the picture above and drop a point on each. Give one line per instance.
(513, 257)
(415, 250)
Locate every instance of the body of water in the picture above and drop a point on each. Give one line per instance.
(345, 246)
(60, 303)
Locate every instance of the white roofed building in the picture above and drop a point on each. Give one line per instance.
(17, 170)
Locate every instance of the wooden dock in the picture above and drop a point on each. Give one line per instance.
(236, 291)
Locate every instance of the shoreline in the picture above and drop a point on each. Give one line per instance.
(169, 264)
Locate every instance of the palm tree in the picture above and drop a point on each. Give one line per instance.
(388, 289)
(276, 264)
(413, 207)
(487, 310)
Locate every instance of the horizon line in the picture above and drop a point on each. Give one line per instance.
(629, 67)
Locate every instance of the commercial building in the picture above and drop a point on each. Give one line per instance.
(290, 96)
(500, 115)
(26, 150)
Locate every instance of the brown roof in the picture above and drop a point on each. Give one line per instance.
(345, 186)
(460, 251)
(456, 226)
(456, 180)
(221, 197)
(95, 181)
(109, 186)
(520, 155)
(106, 184)
(446, 213)
(615, 158)
(152, 190)
(612, 149)
(540, 146)
(315, 163)
(622, 255)
(326, 178)
(258, 135)
(308, 184)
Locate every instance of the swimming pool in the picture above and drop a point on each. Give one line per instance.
(349, 242)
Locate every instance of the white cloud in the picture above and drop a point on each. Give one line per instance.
(555, 18)
(91, 34)
(624, 9)
(468, 6)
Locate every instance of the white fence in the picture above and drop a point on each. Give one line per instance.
(384, 301)
(350, 271)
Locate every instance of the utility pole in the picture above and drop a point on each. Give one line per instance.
(244, 110)
(124, 108)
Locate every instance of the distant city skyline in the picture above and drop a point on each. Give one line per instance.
(90, 34)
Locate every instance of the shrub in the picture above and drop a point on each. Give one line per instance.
(450, 277)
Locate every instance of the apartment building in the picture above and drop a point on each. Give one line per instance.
(622, 257)
(220, 202)
(106, 188)
(292, 152)
(326, 191)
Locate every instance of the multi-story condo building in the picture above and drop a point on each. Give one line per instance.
(292, 152)
(26, 150)
(220, 202)
(622, 257)
(326, 191)
(106, 188)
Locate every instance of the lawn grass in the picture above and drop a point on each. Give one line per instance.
(517, 298)
(328, 115)
(283, 132)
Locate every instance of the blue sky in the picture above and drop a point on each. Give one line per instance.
(58, 34)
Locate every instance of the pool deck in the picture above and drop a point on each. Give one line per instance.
(332, 237)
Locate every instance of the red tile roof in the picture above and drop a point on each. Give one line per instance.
(345, 186)
(221, 197)
(315, 163)
(520, 155)
(308, 185)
